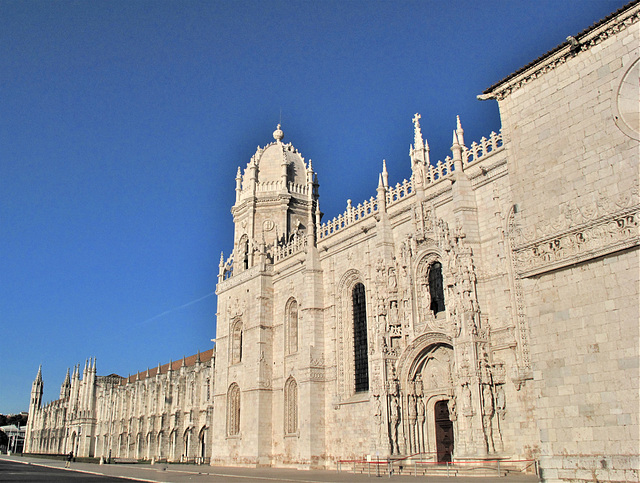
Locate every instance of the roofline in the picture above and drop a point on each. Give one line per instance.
(620, 19)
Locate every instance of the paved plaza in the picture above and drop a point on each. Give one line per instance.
(27, 468)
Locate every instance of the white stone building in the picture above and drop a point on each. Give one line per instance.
(485, 308)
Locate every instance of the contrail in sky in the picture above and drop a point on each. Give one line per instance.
(174, 309)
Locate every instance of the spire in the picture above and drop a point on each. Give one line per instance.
(385, 174)
(455, 142)
(459, 131)
(417, 134)
(238, 184)
(67, 379)
(39, 375)
(382, 195)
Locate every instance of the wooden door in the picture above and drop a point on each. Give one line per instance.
(444, 432)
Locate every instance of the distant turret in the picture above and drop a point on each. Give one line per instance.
(65, 389)
(37, 388)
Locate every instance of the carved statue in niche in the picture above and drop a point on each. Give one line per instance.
(487, 414)
(405, 254)
(421, 419)
(393, 280)
(393, 313)
(467, 407)
(394, 421)
(413, 416)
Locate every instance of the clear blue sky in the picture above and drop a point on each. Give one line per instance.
(122, 125)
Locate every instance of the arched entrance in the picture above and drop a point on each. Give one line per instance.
(444, 431)
(424, 373)
(202, 444)
(186, 441)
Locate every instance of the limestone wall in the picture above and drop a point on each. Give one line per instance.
(574, 178)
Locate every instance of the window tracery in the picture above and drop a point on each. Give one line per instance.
(291, 329)
(361, 357)
(291, 406)
(436, 288)
(236, 342)
(233, 410)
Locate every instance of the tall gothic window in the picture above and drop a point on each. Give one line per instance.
(291, 330)
(236, 342)
(360, 339)
(436, 288)
(233, 410)
(291, 406)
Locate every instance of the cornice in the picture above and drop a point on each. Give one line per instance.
(582, 42)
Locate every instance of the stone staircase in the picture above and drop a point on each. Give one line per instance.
(413, 467)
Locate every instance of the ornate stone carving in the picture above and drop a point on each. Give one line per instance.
(577, 234)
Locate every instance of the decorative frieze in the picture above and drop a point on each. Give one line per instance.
(596, 237)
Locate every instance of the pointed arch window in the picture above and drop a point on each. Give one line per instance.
(291, 406)
(361, 357)
(291, 328)
(233, 410)
(436, 288)
(236, 342)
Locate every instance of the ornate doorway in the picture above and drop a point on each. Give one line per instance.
(444, 432)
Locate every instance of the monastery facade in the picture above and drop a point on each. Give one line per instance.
(487, 307)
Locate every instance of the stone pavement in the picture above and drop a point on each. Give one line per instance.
(176, 473)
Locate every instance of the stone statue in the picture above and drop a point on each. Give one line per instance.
(487, 414)
(451, 406)
(467, 408)
(395, 421)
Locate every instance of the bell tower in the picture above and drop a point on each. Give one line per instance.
(276, 199)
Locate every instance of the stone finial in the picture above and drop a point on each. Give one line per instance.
(417, 135)
(184, 361)
(455, 142)
(278, 135)
(159, 369)
(198, 357)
